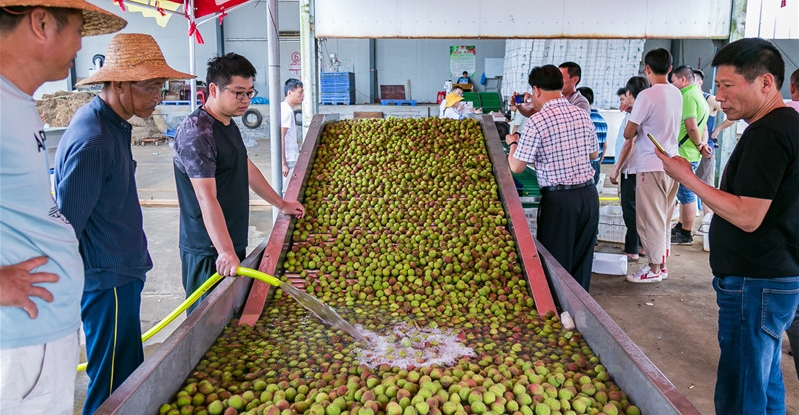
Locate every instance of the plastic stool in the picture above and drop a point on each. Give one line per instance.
(440, 97)
(201, 96)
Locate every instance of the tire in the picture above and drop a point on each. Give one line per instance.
(247, 120)
(503, 129)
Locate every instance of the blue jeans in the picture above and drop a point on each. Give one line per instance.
(596, 166)
(685, 195)
(753, 313)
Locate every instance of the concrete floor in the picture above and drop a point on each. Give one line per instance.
(674, 322)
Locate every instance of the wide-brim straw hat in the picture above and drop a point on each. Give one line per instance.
(96, 21)
(452, 99)
(133, 57)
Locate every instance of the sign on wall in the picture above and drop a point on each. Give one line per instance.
(462, 58)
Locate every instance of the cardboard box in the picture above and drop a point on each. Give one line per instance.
(611, 264)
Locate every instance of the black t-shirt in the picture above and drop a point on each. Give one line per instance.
(206, 148)
(764, 165)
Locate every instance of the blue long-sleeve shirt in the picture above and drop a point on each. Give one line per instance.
(96, 191)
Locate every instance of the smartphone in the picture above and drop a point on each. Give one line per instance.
(657, 144)
(519, 99)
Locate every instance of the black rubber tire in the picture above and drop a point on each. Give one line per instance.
(245, 119)
(503, 129)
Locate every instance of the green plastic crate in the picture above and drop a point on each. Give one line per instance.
(473, 98)
(491, 101)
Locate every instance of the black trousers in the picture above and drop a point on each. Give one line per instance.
(567, 227)
(631, 240)
(196, 269)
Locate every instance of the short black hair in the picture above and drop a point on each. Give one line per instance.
(683, 71)
(573, 69)
(291, 84)
(699, 74)
(588, 93)
(466, 73)
(222, 68)
(636, 84)
(547, 77)
(11, 16)
(658, 60)
(795, 78)
(456, 87)
(621, 91)
(752, 57)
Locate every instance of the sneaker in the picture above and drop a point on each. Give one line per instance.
(676, 228)
(682, 238)
(664, 274)
(644, 275)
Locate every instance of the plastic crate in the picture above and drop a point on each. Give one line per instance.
(338, 97)
(337, 87)
(611, 233)
(531, 214)
(491, 101)
(472, 97)
(611, 215)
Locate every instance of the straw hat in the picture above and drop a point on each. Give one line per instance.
(133, 57)
(96, 21)
(452, 99)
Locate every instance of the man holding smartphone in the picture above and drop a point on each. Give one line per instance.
(560, 141)
(657, 111)
(755, 228)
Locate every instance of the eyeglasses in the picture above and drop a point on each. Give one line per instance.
(241, 94)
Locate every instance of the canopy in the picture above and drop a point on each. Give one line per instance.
(162, 10)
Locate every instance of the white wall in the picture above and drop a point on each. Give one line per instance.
(523, 19)
(426, 63)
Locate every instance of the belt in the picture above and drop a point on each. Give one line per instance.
(547, 189)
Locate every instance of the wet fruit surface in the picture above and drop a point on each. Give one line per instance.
(404, 228)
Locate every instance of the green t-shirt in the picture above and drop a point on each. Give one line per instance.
(695, 106)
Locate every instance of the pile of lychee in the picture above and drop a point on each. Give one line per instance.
(403, 225)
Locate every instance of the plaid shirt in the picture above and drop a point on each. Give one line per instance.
(558, 141)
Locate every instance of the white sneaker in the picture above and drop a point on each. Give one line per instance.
(664, 274)
(644, 276)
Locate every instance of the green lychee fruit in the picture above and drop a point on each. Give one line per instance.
(393, 408)
(236, 401)
(610, 409)
(633, 410)
(215, 407)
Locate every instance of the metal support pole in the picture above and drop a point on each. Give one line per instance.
(308, 72)
(728, 137)
(275, 93)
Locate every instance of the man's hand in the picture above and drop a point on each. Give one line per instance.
(16, 285)
(293, 208)
(706, 150)
(676, 167)
(526, 108)
(285, 169)
(614, 176)
(227, 264)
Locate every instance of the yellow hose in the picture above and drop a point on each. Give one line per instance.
(210, 282)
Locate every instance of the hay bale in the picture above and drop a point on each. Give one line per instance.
(57, 109)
